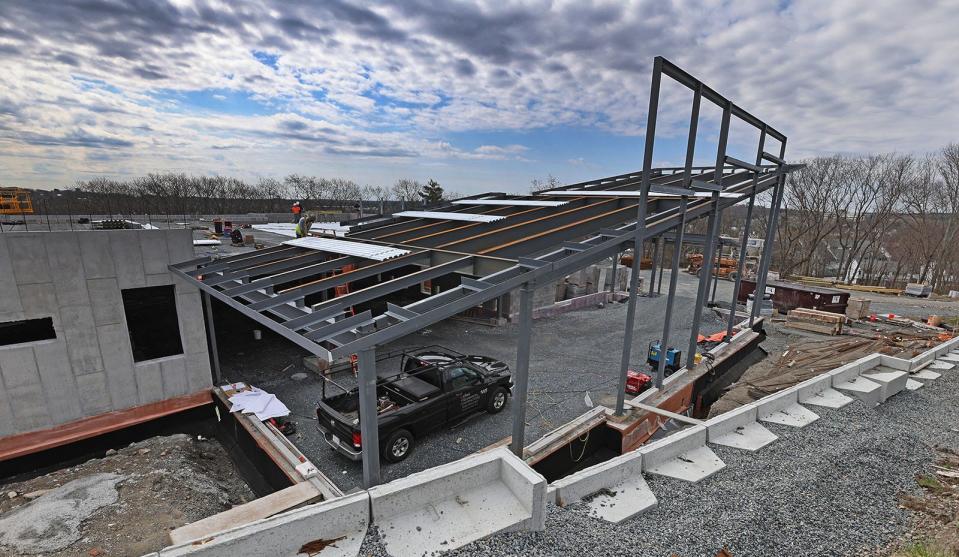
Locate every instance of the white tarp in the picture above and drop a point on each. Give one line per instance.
(440, 215)
(346, 247)
(260, 403)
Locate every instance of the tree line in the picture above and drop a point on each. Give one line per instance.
(873, 219)
(182, 194)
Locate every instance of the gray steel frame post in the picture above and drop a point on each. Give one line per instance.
(767, 255)
(662, 256)
(671, 297)
(612, 282)
(719, 255)
(369, 428)
(521, 373)
(211, 332)
(640, 233)
(657, 246)
(710, 242)
(741, 264)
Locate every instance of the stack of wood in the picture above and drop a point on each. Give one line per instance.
(824, 322)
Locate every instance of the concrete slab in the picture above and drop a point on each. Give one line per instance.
(81, 336)
(7, 422)
(118, 364)
(9, 300)
(913, 385)
(106, 301)
(28, 255)
(333, 528)
(925, 375)
(683, 456)
(827, 398)
(454, 504)
(59, 383)
(892, 381)
(941, 365)
(40, 299)
(783, 408)
(155, 255)
(18, 366)
(613, 490)
(149, 382)
(96, 255)
(63, 253)
(951, 357)
(128, 259)
(29, 407)
(865, 390)
(739, 429)
(93, 394)
(173, 370)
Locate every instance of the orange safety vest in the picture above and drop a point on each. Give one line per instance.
(297, 209)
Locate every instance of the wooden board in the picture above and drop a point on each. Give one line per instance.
(264, 507)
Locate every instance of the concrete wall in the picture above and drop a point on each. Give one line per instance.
(76, 278)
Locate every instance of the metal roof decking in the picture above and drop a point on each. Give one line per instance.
(345, 247)
(633, 193)
(440, 215)
(510, 202)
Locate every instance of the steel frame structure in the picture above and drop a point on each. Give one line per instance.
(531, 245)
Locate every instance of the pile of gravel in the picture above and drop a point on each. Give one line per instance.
(830, 488)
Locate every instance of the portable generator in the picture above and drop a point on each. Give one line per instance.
(673, 357)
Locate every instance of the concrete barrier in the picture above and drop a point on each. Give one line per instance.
(818, 391)
(336, 527)
(613, 490)
(683, 455)
(454, 504)
(892, 381)
(739, 429)
(783, 408)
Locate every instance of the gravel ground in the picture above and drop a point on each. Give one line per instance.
(571, 354)
(831, 488)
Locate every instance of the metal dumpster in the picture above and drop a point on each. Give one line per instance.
(791, 295)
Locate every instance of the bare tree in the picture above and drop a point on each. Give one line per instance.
(549, 183)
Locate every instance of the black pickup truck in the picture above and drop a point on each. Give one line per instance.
(433, 389)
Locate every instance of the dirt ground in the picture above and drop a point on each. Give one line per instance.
(934, 526)
(164, 483)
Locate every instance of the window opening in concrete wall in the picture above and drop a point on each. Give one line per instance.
(152, 322)
(28, 330)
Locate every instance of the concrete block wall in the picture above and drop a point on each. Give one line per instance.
(76, 278)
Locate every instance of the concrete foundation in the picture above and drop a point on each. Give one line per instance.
(783, 408)
(76, 279)
(454, 504)
(739, 429)
(614, 490)
(333, 528)
(683, 456)
(892, 381)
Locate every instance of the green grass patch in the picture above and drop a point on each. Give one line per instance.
(929, 482)
(924, 550)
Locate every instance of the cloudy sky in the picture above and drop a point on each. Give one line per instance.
(481, 96)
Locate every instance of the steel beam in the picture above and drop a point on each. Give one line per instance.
(741, 264)
(671, 297)
(657, 245)
(292, 275)
(639, 235)
(211, 332)
(369, 426)
(768, 242)
(713, 230)
(521, 373)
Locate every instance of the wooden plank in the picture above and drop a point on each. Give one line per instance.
(21, 444)
(666, 413)
(258, 509)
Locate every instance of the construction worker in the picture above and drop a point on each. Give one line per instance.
(297, 209)
(303, 226)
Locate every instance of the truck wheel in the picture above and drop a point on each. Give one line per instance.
(398, 445)
(497, 401)
(732, 276)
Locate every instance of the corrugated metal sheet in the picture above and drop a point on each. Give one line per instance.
(469, 217)
(345, 247)
(510, 202)
(630, 193)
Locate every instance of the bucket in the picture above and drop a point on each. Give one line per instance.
(218, 226)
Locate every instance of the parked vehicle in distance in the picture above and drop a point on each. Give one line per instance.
(434, 388)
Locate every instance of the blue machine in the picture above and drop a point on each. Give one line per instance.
(673, 357)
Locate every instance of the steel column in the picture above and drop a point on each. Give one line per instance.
(369, 420)
(211, 332)
(707, 268)
(771, 225)
(521, 373)
(662, 256)
(640, 233)
(741, 264)
(657, 246)
(612, 283)
(671, 297)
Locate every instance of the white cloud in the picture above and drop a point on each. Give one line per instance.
(366, 90)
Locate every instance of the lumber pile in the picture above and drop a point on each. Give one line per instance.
(816, 321)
